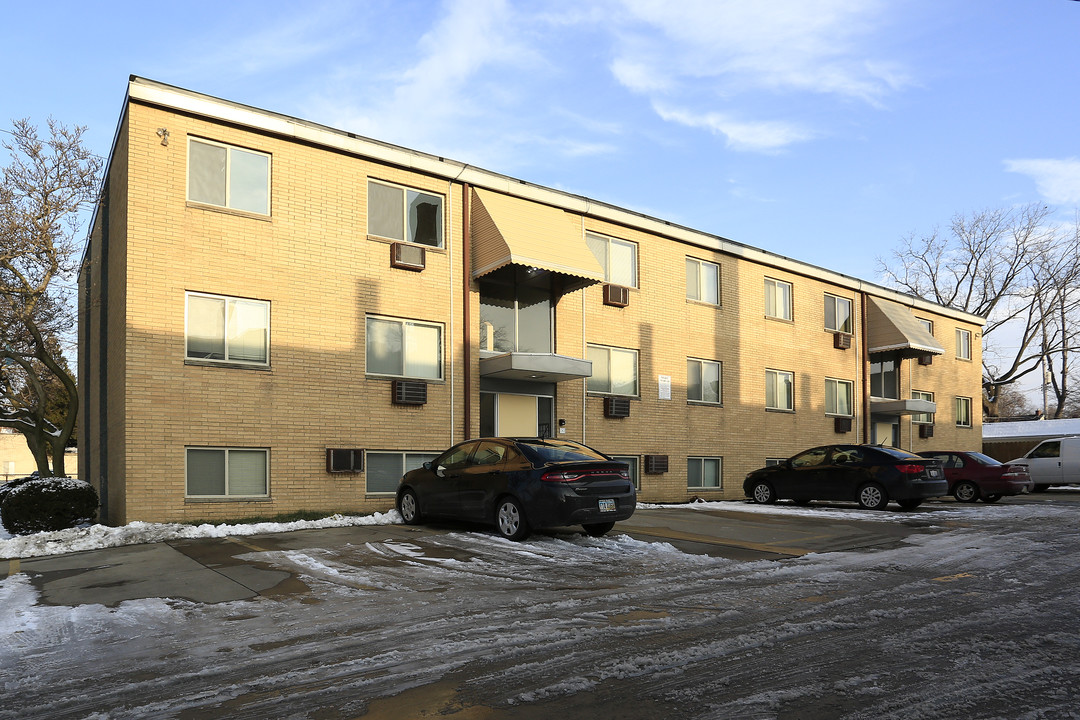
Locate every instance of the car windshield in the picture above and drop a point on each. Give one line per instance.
(559, 451)
(983, 459)
(897, 454)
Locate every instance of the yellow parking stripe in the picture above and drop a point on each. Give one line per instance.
(13, 567)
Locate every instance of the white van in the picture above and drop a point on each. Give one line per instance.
(1053, 462)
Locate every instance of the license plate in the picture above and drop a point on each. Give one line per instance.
(607, 505)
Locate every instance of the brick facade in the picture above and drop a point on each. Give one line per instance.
(312, 260)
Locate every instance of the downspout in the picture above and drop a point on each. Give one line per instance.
(466, 273)
(103, 362)
(450, 292)
(865, 363)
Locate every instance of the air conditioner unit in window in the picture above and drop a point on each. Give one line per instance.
(842, 425)
(616, 295)
(926, 431)
(656, 464)
(926, 359)
(408, 257)
(409, 392)
(340, 460)
(841, 341)
(616, 407)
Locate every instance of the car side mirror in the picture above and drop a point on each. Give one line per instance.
(427, 465)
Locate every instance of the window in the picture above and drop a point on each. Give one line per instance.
(702, 281)
(226, 472)
(232, 330)
(704, 473)
(837, 314)
(405, 215)
(963, 344)
(963, 412)
(614, 370)
(883, 373)
(384, 469)
(927, 325)
(703, 381)
(769, 462)
(922, 418)
(777, 299)
(839, 396)
(632, 461)
(617, 257)
(404, 348)
(779, 390)
(228, 177)
(516, 310)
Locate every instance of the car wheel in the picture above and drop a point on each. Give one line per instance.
(409, 507)
(873, 497)
(598, 529)
(990, 498)
(510, 520)
(910, 504)
(763, 493)
(966, 491)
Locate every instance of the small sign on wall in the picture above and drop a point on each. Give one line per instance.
(665, 386)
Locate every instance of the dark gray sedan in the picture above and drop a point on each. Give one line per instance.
(517, 484)
(870, 475)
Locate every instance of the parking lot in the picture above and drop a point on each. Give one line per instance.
(725, 610)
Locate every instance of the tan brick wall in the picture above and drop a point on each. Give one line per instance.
(312, 260)
(314, 263)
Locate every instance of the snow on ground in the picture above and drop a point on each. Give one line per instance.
(976, 621)
(96, 537)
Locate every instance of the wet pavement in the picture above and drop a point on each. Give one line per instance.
(214, 570)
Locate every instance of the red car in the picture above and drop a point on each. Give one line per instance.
(973, 476)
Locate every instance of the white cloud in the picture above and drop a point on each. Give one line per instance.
(1058, 181)
(781, 45)
(761, 136)
(701, 53)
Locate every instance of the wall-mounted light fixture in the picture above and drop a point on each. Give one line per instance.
(163, 133)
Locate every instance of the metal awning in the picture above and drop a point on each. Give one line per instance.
(890, 327)
(508, 230)
(901, 407)
(535, 367)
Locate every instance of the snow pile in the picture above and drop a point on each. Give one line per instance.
(95, 537)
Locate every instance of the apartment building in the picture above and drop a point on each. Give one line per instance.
(277, 316)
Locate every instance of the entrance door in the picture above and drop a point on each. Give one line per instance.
(515, 415)
(885, 432)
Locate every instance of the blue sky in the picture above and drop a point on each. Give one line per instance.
(824, 130)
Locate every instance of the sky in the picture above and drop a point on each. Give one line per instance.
(823, 130)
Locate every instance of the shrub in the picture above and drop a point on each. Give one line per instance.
(33, 504)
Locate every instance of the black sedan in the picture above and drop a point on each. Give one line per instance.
(871, 475)
(517, 484)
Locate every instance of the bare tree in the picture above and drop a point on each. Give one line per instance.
(1011, 267)
(46, 185)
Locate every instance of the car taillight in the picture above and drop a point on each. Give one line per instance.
(560, 476)
(911, 469)
(572, 475)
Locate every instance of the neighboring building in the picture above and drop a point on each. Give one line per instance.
(276, 315)
(1006, 441)
(17, 461)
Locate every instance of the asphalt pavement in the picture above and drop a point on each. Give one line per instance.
(214, 570)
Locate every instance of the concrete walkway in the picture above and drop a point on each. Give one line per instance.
(214, 570)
